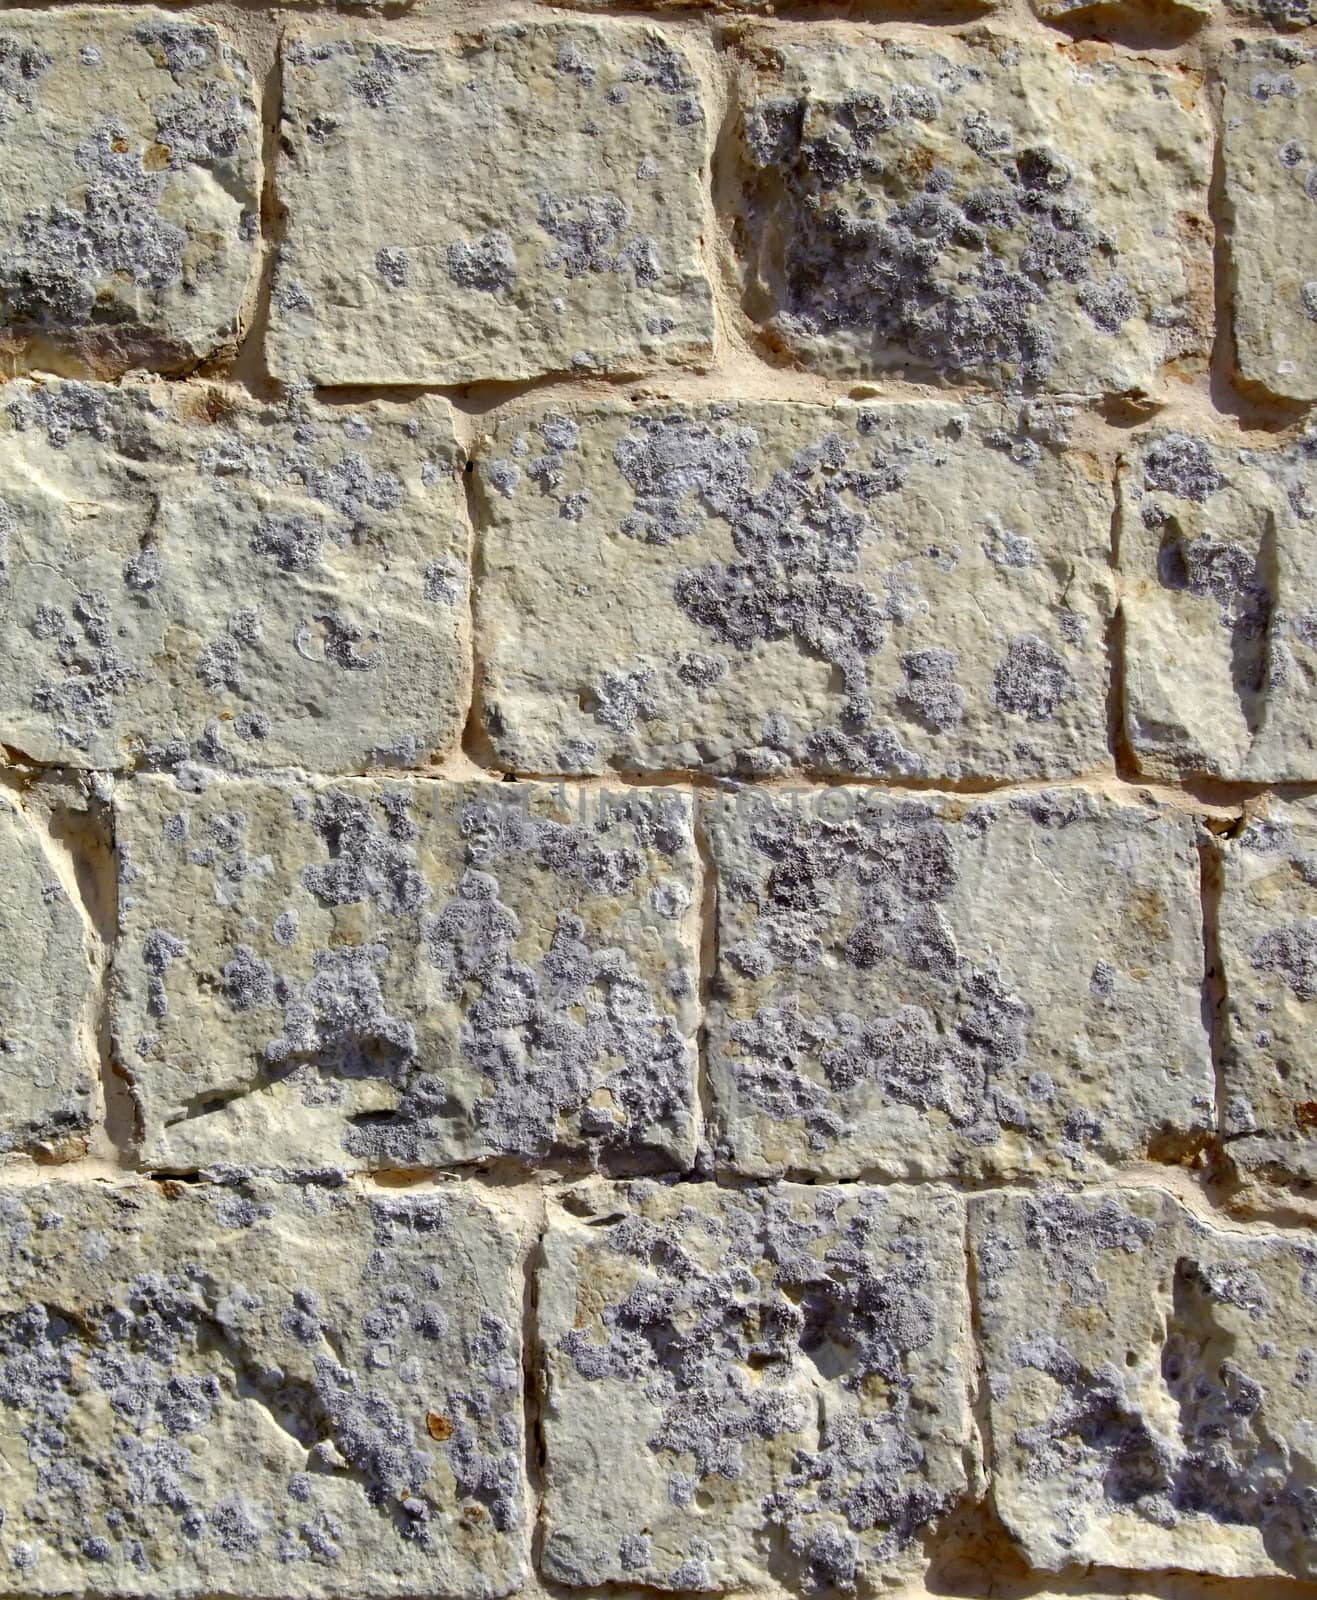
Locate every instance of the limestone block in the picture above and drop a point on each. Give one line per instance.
(1179, 13)
(1149, 1383)
(986, 210)
(888, 589)
(188, 572)
(1270, 146)
(524, 200)
(130, 142)
(47, 1040)
(260, 1391)
(937, 986)
(385, 975)
(751, 1385)
(1283, 15)
(1219, 608)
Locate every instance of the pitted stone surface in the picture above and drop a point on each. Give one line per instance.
(1270, 183)
(258, 1390)
(890, 589)
(890, 999)
(962, 211)
(1283, 15)
(750, 1385)
(190, 573)
(558, 232)
(1181, 12)
(129, 212)
(389, 975)
(47, 993)
(1149, 1384)
(1219, 608)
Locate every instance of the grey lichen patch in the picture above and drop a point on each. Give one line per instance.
(130, 142)
(987, 210)
(258, 1390)
(761, 587)
(560, 232)
(192, 574)
(750, 1386)
(1219, 608)
(1148, 1384)
(391, 975)
(1270, 198)
(888, 998)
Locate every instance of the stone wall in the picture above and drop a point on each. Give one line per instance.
(658, 847)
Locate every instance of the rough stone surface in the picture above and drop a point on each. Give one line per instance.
(963, 211)
(1179, 13)
(1270, 185)
(1219, 607)
(889, 998)
(130, 145)
(391, 975)
(740, 1386)
(900, 590)
(559, 232)
(187, 573)
(1148, 1383)
(1283, 15)
(258, 1390)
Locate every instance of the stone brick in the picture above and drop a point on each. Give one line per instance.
(986, 210)
(915, 987)
(1270, 150)
(194, 573)
(524, 200)
(1219, 608)
(129, 217)
(260, 1391)
(889, 589)
(1149, 1383)
(751, 1385)
(385, 975)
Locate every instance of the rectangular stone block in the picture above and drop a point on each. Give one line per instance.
(187, 572)
(1219, 608)
(522, 200)
(888, 589)
(753, 1386)
(1149, 1383)
(130, 141)
(1270, 164)
(258, 1390)
(890, 1000)
(984, 210)
(373, 974)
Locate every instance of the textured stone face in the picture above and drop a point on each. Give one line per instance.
(903, 590)
(1283, 15)
(751, 1385)
(130, 144)
(398, 976)
(963, 211)
(46, 993)
(258, 1390)
(1124, 11)
(1270, 184)
(1219, 608)
(889, 998)
(1149, 1383)
(192, 573)
(559, 232)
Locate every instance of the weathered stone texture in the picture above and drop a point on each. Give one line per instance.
(984, 210)
(1219, 608)
(389, 975)
(751, 1385)
(1149, 1384)
(526, 200)
(191, 573)
(129, 212)
(1179, 13)
(891, 997)
(889, 589)
(1270, 110)
(1283, 15)
(258, 1390)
